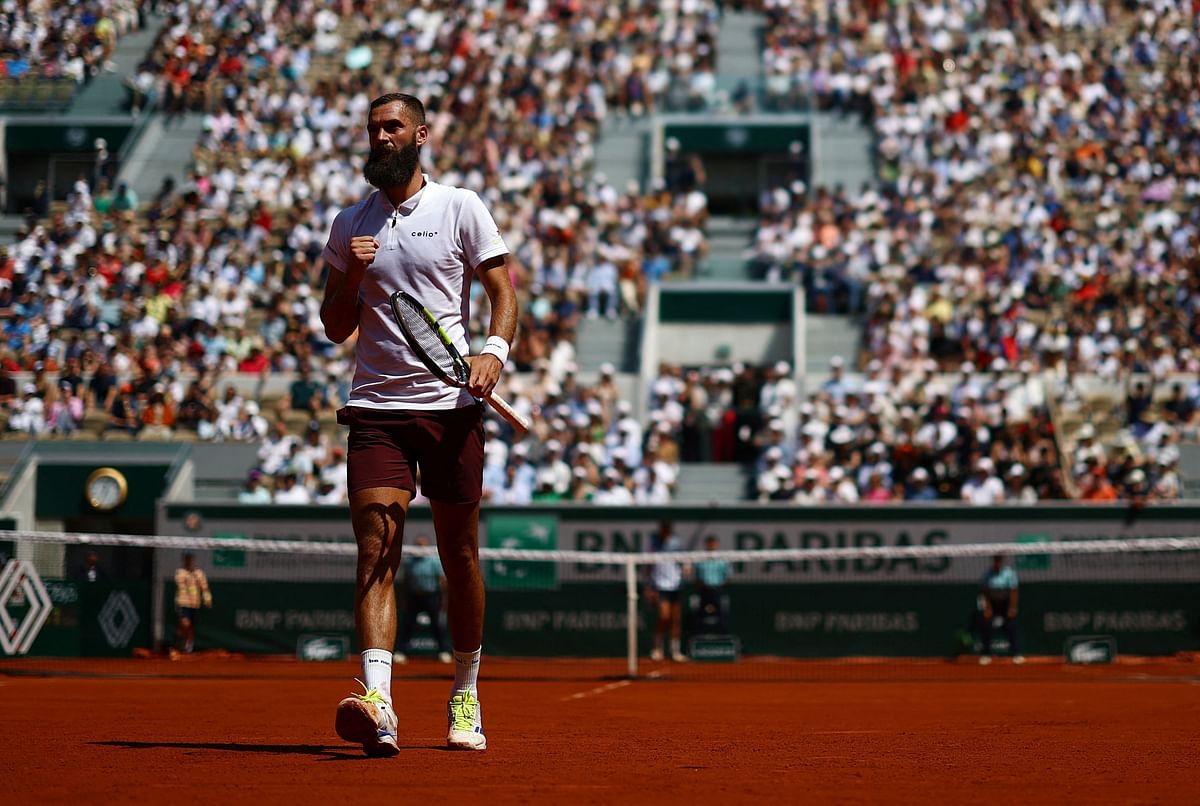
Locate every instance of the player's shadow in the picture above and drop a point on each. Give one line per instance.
(325, 752)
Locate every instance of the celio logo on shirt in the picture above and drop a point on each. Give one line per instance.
(424, 234)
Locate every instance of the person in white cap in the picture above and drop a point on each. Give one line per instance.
(810, 492)
(554, 469)
(919, 488)
(835, 386)
(613, 491)
(769, 481)
(1017, 487)
(983, 488)
(843, 490)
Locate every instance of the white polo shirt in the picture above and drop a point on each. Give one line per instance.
(429, 247)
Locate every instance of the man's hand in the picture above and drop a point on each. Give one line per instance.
(485, 373)
(362, 253)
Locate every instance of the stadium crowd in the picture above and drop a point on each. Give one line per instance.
(124, 300)
(514, 101)
(220, 273)
(1041, 172)
(64, 39)
(896, 435)
(1038, 209)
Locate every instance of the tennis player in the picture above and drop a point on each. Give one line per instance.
(430, 240)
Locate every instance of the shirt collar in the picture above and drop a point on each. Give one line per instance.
(409, 204)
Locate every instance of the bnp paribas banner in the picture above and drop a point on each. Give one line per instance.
(816, 608)
(631, 529)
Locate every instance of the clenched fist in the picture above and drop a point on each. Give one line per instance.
(362, 252)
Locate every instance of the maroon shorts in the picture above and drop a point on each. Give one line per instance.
(387, 448)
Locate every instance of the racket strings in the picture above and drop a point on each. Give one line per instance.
(427, 341)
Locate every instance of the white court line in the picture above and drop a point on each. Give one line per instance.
(600, 690)
(605, 688)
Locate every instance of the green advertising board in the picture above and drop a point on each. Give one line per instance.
(273, 617)
(810, 621)
(533, 532)
(93, 619)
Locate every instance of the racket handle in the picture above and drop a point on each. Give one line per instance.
(508, 413)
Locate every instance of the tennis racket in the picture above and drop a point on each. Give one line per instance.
(431, 344)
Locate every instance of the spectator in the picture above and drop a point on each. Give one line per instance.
(288, 491)
(255, 492)
(983, 488)
(919, 489)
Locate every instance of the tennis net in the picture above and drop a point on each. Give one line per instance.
(778, 612)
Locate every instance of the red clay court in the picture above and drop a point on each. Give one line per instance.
(234, 730)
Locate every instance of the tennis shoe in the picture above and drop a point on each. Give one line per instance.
(368, 719)
(656, 654)
(985, 660)
(465, 718)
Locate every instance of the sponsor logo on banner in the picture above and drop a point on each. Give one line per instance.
(794, 529)
(536, 532)
(1088, 649)
(20, 586)
(322, 647)
(118, 619)
(714, 648)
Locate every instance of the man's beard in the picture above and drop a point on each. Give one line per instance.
(387, 168)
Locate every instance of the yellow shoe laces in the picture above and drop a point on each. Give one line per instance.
(462, 709)
(370, 695)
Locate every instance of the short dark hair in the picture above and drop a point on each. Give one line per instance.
(411, 103)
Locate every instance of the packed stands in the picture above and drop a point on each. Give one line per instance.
(1038, 198)
(49, 49)
(220, 273)
(1001, 161)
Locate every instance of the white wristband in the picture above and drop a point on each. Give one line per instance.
(496, 346)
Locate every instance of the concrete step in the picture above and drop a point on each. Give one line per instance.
(826, 336)
(105, 94)
(1189, 470)
(738, 46)
(844, 152)
(608, 341)
(711, 482)
(623, 152)
(724, 268)
(162, 151)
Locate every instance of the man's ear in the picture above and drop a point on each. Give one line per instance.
(422, 135)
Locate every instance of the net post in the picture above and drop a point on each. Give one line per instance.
(631, 625)
(158, 609)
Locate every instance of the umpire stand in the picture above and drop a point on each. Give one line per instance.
(706, 618)
(706, 627)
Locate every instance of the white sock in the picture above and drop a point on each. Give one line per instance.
(466, 671)
(377, 671)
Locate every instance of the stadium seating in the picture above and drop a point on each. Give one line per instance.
(989, 183)
(1014, 223)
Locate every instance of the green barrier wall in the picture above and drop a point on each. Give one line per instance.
(588, 620)
(94, 619)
